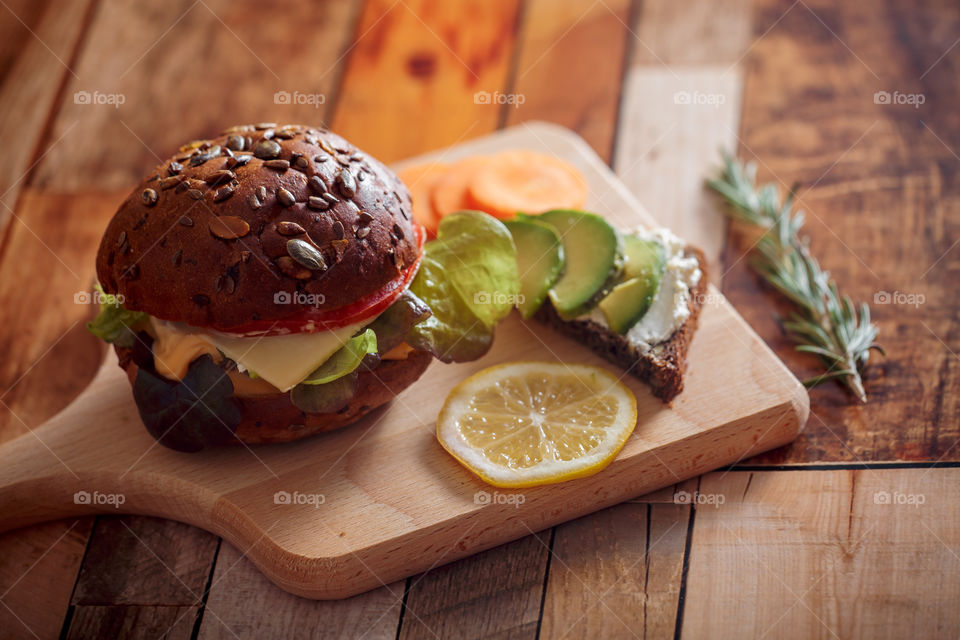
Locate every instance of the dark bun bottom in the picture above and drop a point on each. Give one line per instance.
(274, 419)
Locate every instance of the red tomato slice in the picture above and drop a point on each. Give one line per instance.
(314, 320)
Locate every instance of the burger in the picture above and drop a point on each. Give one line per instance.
(257, 288)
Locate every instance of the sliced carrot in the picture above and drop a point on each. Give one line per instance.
(525, 181)
(450, 190)
(420, 179)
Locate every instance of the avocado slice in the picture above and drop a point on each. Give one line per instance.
(642, 273)
(540, 261)
(645, 258)
(594, 260)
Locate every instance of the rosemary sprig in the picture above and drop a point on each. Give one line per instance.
(824, 324)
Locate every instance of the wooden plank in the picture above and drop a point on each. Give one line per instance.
(666, 132)
(495, 594)
(210, 64)
(22, 17)
(38, 44)
(680, 34)
(879, 185)
(49, 358)
(635, 588)
(244, 603)
(668, 537)
(826, 554)
(38, 568)
(120, 621)
(145, 561)
(681, 103)
(557, 82)
(609, 593)
(413, 76)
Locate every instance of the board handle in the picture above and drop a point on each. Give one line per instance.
(61, 468)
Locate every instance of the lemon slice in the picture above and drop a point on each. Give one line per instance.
(523, 424)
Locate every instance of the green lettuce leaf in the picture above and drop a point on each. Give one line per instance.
(468, 277)
(393, 325)
(345, 360)
(480, 261)
(452, 333)
(113, 323)
(195, 413)
(325, 398)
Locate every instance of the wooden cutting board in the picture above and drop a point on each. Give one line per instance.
(341, 513)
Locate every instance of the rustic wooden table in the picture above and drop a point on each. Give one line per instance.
(852, 531)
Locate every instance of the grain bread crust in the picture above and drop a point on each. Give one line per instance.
(273, 418)
(663, 366)
(203, 240)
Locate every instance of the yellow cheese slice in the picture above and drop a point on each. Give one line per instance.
(174, 349)
(283, 361)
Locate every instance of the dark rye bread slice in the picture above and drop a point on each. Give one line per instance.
(663, 366)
